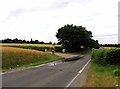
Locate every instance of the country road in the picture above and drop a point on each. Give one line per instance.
(50, 75)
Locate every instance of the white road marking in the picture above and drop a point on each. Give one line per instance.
(24, 69)
(50, 63)
(77, 74)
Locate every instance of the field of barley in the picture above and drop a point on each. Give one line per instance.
(13, 50)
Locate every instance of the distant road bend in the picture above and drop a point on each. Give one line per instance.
(50, 75)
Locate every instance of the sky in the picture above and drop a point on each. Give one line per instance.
(40, 19)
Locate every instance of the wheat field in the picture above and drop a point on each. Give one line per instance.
(13, 50)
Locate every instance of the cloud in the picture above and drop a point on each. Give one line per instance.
(38, 18)
(75, 1)
(17, 12)
(26, 8)
(34, 6)
(21, 11)
(58, 5)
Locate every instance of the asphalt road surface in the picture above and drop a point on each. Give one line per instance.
(51, 75)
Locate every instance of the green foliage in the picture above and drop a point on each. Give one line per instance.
(101, 76)
(58, 49)
(117, 72)
(94, 44)
(106, 56)
(73, 37)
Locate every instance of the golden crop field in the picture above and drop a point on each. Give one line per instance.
(13, 50)
(13, 58)
(23, 44)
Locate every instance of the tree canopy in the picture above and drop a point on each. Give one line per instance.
(73, 37)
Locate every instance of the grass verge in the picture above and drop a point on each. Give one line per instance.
(101, 76)
(18, 61)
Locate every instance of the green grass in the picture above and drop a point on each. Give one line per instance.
(105, 68)
(18, 61)
(101, 76)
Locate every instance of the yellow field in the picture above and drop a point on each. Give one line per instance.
(13, 50)
(18, 44)
(18, 58)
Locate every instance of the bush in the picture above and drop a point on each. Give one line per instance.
(106, 56)
(58, 49)
(116, 72)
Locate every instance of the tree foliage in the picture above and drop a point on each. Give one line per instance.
(16, 40)
(73, 37)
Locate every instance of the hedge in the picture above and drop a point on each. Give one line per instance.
(106, 56)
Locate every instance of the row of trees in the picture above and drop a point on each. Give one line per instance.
(16, 40)
(110, 45)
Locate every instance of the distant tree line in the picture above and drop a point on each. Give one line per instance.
(110, 45)
(16, 40)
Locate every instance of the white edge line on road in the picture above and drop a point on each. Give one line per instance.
(31, 67)
(26, 68)
(77, 74)
(23, 69)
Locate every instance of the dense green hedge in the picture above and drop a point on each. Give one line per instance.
(106, 56)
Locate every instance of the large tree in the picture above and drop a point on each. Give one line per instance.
(73, 37)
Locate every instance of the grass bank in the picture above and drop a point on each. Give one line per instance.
(101, 76)
(17, 58)
(105, 68)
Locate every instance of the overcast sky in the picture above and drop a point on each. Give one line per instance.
(40, 19)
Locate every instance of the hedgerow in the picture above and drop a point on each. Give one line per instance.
(106, 56)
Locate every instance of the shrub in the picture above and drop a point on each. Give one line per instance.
(106, 56)
(116, 72)
(58, 49)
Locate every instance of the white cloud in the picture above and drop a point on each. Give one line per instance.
(40, 19)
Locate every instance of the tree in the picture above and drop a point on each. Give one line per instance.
(36, 41)
(41, 42)
(94, 44)
(31, 41)
(73, 37)
(7, 40)
(15, 40)
(50, 42)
